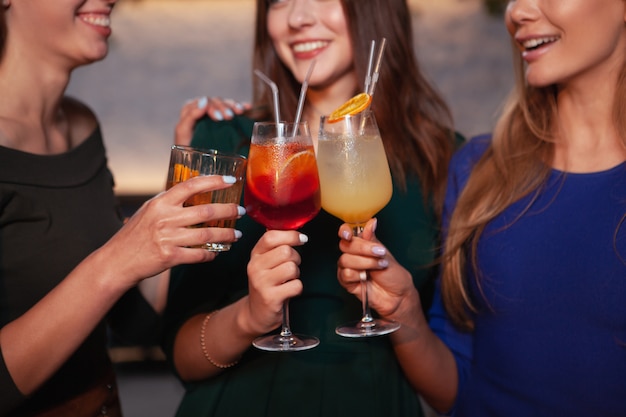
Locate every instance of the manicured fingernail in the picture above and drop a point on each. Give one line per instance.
(229, 179)
(229, 113)
(379, 250)
(383, 263)
(218, 115)
(374, 225)
(303, 238)
(238, 234)
(346, 235)
(239, 106)
(202, 102)
(241, 211)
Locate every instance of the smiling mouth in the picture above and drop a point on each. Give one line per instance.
(536, 43)
(97, 20)
(309, 46)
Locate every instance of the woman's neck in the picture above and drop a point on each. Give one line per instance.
(587, 138)
(31, 116)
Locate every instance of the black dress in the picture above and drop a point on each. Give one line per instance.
(54, 211)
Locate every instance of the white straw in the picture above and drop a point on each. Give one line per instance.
(377, 67)
(305, 85)
(368, 75)
(274, 88)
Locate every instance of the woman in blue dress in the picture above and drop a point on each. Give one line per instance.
(530, 315)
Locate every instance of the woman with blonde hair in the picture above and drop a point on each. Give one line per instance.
(530, 315)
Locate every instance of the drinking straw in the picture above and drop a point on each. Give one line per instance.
(274, 88)
(305, 85)
(368, 75)
(377, 67)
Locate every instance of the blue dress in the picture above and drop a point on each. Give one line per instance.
(550, 334)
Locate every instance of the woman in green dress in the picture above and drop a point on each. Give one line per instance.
(238, 297)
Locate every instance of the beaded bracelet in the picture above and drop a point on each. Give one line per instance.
(203, 345)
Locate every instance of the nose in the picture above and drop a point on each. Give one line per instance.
(519, 11)
(302, 13)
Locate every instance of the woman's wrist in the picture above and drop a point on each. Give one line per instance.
(109, 278)
(245, 320)
(409, 308)
(205, 350)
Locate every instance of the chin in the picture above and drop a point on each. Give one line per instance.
(97, 55)
(538, 81)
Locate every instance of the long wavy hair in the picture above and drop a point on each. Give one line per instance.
(516, 165)
(415, 122)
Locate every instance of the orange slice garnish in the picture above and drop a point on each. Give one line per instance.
(298, 163)
(351, 107)
(183, 173)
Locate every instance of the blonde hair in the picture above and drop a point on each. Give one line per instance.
(516, 164)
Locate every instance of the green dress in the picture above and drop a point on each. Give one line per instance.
(340, 377)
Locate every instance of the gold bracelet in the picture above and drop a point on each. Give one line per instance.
(203, 345)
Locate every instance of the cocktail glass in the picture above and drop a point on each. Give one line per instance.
(282, 192)
(356, 184)
(187, 162)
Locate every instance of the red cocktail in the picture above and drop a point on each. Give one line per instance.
(282, 192)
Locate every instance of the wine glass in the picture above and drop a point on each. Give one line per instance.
(356, 184)
(282, 192)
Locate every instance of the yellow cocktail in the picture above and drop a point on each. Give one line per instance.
(354, 176)
(356, 184)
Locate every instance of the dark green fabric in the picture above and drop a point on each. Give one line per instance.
(341, 377)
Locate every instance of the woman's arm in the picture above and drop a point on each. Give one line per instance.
(427, 362)
(156, 238)
(273, 277)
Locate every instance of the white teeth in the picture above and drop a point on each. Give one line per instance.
(104, 21)
(309, 46)
(533, 43)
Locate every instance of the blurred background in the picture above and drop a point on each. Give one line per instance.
(164, 52)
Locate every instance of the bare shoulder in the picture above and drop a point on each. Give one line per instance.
(82, 121)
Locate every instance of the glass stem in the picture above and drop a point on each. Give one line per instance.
(367, 319)
(286, 330)
(367, 316)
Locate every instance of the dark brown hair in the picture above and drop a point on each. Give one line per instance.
(415, 122)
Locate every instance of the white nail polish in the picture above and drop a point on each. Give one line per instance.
(229, 179)
(303, 238)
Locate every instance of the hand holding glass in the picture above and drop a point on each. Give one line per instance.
(187, 162)
(282, 193)
(356, 184)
